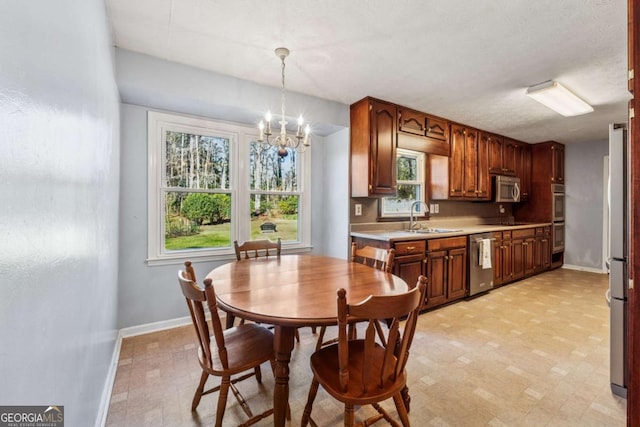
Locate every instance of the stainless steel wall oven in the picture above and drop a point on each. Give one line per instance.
(558, 202)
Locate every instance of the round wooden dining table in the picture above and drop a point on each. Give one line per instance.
(292, 291)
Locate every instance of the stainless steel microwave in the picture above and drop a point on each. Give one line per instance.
(506, 189)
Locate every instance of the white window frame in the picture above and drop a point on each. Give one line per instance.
(420, 180)
(239, 135)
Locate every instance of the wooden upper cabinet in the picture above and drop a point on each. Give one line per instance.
(412, 122)
(557, 163)
(470, 162)
(373, 148)
(483, 179)
(502, 155)
(438, 129)
(468, 165)
(422, 132)
(509, 157)
(457, 161)
(523, 169)
(495, 143)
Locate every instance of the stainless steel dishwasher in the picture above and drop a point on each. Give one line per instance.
(480, 263)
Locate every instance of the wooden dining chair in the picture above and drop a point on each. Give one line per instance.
(257, 248)
(382, 259)
(370, 370)
(236, 351)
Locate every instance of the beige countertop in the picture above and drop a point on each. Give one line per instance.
(396, 233)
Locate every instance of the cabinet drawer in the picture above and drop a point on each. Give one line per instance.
(413, 247)
(542, 230)
(498, 235)
(523, 233)
(447, 243)
(506, 234)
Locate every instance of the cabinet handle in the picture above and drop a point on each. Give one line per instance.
(410, 248)
(424, 261)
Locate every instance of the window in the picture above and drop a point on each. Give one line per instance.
(211, 183)
(411, 182)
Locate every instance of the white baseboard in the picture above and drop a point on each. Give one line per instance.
(105, 401)
(132, 331)
(587, 269)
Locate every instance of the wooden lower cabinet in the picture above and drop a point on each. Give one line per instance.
(502, 258)
(520, 253)
(517, 254)
(409, 262)
(446, 270)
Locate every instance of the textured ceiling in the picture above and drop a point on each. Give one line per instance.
(468, 61)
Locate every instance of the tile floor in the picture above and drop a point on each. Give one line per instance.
(533, 353)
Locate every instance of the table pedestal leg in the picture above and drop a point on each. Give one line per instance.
(283, 345)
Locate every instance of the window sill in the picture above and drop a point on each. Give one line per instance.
(175, 259)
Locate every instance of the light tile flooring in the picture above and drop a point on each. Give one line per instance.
(533, 353)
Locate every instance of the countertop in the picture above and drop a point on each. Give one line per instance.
(398, 235)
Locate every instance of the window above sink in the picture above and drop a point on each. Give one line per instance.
(410, 174)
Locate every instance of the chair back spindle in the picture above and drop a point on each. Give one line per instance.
(257, 248)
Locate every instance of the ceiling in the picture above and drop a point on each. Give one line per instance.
(468, 61)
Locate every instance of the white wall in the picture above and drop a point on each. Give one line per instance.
(584, 197)
(59, 172)
(150, 294)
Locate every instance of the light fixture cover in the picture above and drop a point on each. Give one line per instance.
(558, 98)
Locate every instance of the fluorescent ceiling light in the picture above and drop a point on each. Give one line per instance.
(558, 98)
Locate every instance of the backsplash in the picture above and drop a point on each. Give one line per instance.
(447, 209)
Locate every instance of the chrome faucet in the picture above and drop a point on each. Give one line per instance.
(412, 225)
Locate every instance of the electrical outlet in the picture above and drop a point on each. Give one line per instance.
(432, 208)
(436, 208)
(501, 209)
(358, 209)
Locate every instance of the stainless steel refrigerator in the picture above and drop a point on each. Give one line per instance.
(618, 273)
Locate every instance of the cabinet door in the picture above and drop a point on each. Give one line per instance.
(545, 250)
(507, 261)
(412, 122)
(457, 274)
(438, 128)
(457, 162)
(529, 255)
(509, 157)
(517, 253)
(497, 262)
(557, 163)
(483, 183)
(495, 153)
(382, 167)
(409, 268)
(524, 170)
(437, 276)
(470, 163)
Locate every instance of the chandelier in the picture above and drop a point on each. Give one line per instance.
(301, 140)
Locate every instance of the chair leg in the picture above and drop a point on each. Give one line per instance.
(222, 400)
(402, 410)
(258, 372)
(319, 343)
(198, 395)
(348, 415)
(306, 415)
